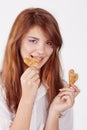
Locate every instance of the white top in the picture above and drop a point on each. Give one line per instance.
(39, 113)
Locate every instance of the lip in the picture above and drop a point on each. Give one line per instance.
(37, 57)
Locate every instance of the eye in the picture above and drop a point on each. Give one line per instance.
(49, 43)
(32, 40)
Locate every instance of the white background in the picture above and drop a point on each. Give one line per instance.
(72, 18)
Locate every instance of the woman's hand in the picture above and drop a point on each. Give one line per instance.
(30, 82)
(64, 100)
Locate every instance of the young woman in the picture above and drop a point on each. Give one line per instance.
(35, 98)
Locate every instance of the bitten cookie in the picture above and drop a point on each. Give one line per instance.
(31, 62)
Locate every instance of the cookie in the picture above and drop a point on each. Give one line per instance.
(31, 62)
(73, 77)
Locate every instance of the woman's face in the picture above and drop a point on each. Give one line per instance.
(35, 44)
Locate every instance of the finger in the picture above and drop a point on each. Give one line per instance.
(26, 72)
(67, 89)
(29, 77)
(35, 77)
(67, 93)
(36, 83)
(32, 74)
(67, 101)
(73, 89)
(30, 70)
(76, 88)
(77, 91)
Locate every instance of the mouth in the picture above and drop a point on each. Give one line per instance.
(31, 62)
(39, 58)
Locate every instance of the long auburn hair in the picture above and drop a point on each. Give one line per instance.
(12, 68)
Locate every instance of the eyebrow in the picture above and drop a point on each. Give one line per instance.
(33, 37)
(38, 38)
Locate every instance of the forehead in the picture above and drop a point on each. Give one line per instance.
(37, 31)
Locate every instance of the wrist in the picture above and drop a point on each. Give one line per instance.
(54, 114)
(29, 101)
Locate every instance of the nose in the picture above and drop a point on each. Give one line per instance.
(41, 49)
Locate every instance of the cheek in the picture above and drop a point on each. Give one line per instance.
(24, 50)
(49, 52)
